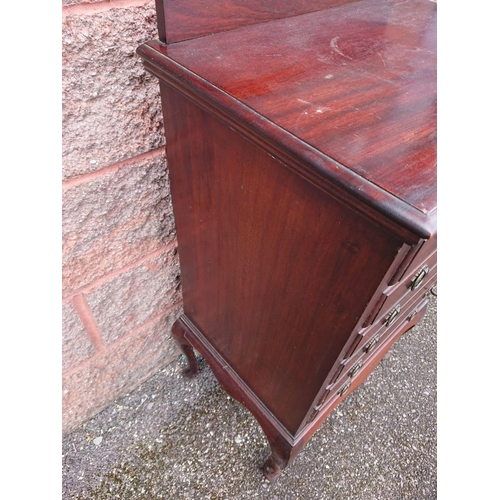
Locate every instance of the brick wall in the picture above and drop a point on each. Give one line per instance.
(121, 283)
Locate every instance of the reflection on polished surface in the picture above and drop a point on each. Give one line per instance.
(357, 82)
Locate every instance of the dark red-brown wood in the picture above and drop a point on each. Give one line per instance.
(179, 332)
(321, 170)
(301, 155)
(275, 271)
(357, 82)
(184, 19)
(350, 92)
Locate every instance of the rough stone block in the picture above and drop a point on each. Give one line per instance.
(133, 297)
(76, 345)
(117, 370)
(72, 2)
(114, 220)
(111, 106)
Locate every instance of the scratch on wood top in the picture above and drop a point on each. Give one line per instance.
(335, 47)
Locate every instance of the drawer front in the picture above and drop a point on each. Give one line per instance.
(408, 265)
(369, 339)
(389, 315)
(368, 350)
(400, 307)
(417, 279)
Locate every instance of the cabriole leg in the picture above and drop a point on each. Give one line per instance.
(178, 333)
(271, 469)
(282, 454)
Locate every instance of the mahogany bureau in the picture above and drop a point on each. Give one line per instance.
(301, 147)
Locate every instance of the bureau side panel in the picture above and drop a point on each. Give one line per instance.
(275, 272)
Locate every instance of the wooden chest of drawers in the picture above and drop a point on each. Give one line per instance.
(301, 145)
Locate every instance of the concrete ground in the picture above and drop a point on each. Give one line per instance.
(173, 439)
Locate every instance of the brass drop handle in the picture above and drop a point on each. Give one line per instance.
(356, 368)
(344, 388)
(418, 279)
(392, 316)
(373, 342)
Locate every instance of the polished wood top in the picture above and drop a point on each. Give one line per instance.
(351, 90)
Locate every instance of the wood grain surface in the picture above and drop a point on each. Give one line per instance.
(357, 82)
(302, 163)
(274, 272)
(184, 19)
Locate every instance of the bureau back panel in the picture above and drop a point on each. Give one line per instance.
(184, 19)
(275, 272)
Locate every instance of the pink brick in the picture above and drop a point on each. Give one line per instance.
(76, 345)
(133, 297)
(116, 371)
(114, 220)
(73, 2)
(111, 106)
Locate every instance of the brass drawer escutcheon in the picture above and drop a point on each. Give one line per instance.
(373, 342)
(356, 368)
(344, 388)
(392, 316)
(418, 279)
(312, 416)
(411, 316)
